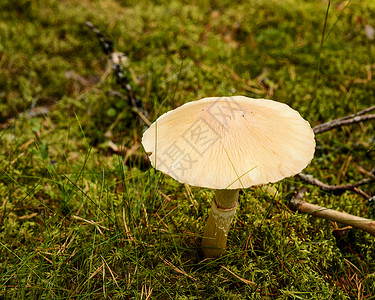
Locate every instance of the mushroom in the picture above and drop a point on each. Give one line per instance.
(228, 144)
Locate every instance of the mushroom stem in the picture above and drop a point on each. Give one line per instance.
(222, 213)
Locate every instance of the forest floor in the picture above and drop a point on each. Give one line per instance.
(82, 213)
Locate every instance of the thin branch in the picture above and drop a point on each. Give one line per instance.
(346, 120)
(362, 193)
(107, 45)
(335, 188)
(123, 75)
(359, 113)
(330, 214)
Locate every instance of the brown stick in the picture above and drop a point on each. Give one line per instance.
(330, 214)
(347, 120)
(122, 74)
(335, 188)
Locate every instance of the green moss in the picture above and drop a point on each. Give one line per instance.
(75, 221)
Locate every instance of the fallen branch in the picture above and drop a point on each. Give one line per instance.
(122, 74)
(330, 214)
(318, 211)
(347, 120)
(335, 188)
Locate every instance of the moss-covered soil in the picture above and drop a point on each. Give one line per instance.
(81, 219)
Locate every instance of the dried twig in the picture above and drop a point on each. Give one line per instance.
(347, 120)
(122, 74)
(330, 214)
(322, 212)
(107, 45)
(335, 188)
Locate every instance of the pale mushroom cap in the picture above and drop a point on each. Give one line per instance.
(230, 142)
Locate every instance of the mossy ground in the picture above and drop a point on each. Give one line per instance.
(76, 221)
